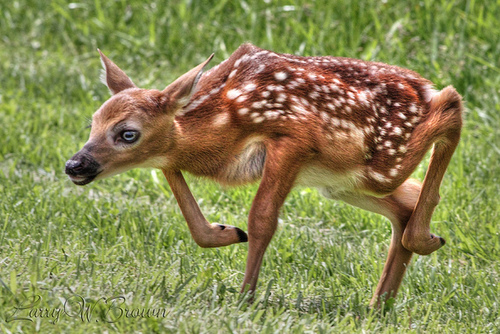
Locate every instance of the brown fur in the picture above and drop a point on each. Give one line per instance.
(354, 129)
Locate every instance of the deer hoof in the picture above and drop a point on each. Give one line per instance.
(241, 235)
(422, 245)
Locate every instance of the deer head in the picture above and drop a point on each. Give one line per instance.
(134, 128)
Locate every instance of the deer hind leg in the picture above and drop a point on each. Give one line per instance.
(443, 130)
(417, 236)
(398, 208)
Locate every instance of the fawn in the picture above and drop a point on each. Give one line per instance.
(355, 130)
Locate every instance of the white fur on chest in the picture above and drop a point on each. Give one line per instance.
(247, 165)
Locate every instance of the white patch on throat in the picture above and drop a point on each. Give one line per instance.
(154, 162)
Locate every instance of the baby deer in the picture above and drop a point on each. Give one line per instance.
(355, 130)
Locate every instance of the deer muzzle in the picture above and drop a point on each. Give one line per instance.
(82, 168)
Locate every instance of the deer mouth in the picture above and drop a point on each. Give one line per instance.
(81, 180)
(82, 168)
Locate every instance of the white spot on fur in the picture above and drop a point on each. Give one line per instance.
(413, 108)
(281, 97)
(249, 87)
(335, 121)
(402, 116)
(233, 93)
(363, 98)
(243, 111)
(325, 117)
(260, 68)
(334, 88)
(393, 172)
(280, 76)
(259, 104)
(214, 91)
(368, 129)
(397, 131)
(378, 177)
(304, 101)
(314, 95)
(298, 109)
(271, 114)
(232, 74)
(241, 98)
(221, 119)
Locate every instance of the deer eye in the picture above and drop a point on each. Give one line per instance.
(129, 136)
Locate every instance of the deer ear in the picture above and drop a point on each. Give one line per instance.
(114, 77)
(181, 90)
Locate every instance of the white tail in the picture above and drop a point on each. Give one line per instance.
(356, 130)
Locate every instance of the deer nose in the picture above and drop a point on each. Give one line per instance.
(73, 166)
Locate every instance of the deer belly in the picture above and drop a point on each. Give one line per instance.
(328, 182)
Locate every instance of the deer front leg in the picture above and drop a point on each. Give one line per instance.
(204, 233)
(280, 171)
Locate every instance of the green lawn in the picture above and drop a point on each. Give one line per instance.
(125, 236)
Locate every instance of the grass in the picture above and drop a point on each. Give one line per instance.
(125, 236)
